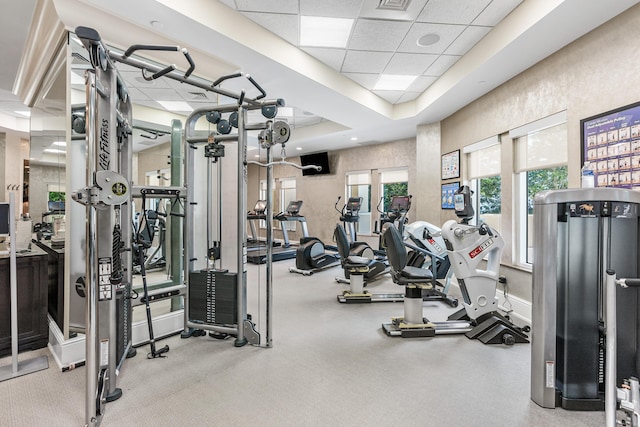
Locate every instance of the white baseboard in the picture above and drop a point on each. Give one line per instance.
(70, 353)
(521, 308)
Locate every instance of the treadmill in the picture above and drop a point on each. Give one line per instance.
(286, 250)
(258, 213)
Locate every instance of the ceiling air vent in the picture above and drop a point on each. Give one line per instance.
(198, 95)
(393, 5)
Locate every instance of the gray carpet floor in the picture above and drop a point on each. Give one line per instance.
(330, 365)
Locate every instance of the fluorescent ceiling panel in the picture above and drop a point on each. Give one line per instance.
(324, 32)
(394, 82)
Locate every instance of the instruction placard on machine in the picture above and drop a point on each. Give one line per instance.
(104, 279)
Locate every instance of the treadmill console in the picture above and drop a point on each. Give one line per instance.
(294, 207)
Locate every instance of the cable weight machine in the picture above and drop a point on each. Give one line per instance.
(217, 296)
(108, 191)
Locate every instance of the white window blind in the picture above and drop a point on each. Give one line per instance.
(358, 178)
(394, 175)
(541, 149)
(483, 158)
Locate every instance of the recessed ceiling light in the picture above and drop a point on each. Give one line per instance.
(354, 138)
(428, 40)
(24, 113)
(175, 105)
(299, 148)
(394, 82)
(156, 24)
(324, 32)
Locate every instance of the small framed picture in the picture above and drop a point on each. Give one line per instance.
(451, 165)
(448, 190)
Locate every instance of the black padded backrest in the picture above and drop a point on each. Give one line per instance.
(342, 242)
(396, 253)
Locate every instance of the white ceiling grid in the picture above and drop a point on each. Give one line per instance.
(385, 41)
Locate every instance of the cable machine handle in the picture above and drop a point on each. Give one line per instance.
(166, 70)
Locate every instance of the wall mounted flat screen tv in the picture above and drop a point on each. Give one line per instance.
(317, 159)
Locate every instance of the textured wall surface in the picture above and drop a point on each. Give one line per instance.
(594, 74)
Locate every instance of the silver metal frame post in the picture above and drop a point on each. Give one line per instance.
(241, 227)
(611, 329)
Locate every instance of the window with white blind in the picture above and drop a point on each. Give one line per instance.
(393, 182)
(540, 163)
(287, 195)
(483, 172)
(359, 185)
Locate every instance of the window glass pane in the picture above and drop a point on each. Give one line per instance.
(393, 189)
(490, 201)
(537, 181)
(362, 190)
(287, 194)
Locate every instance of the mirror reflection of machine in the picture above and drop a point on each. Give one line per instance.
(579, 235)
(52, 227)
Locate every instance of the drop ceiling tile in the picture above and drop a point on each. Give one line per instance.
(365, 80)
(331, 8)
(370, 10)
(137, 95)
(273, 6)
(378, 35)
(469, 38)
(162, 94)
(442, 64)
(135, 79)
(332, 57)
(421, 84)
(496, 12)
(284, 26)
(447, 33)
(358, 61)
(452, 11)
(390, 95)
(412, 64)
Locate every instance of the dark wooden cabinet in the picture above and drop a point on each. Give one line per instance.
(55, 273)
(33, 331)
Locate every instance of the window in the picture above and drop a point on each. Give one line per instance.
(393, 182)
(540, 164)
(359, 185)
(287, 194)
(483, 171)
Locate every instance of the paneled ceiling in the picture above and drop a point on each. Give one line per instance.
(458, 49)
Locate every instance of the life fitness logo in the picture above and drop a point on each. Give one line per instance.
(477, 251)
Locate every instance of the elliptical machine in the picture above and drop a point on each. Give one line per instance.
(466, 246)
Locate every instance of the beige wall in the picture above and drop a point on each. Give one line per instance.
(320, 192)
(40, 176)
(594, 74)
(151, 160)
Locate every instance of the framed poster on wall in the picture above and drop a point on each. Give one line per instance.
(448, 190)
(451, 165)
(611, 145)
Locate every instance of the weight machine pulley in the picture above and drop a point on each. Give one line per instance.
(107, 123)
